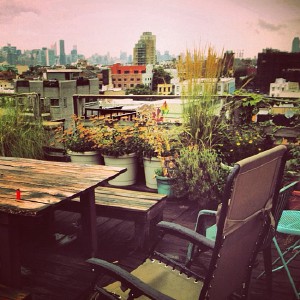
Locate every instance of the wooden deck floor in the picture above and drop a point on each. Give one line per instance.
(58, 271)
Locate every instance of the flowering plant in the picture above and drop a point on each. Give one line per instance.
(169, 166)
(117, 138)
(157, 139)
(77, 137)
(242, 142)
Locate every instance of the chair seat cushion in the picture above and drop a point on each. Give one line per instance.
(159, 276)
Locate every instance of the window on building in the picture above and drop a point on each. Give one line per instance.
(119, 71)
(126, 72)
(132, 85)
(119, 85)
(132, 79)
(54, 102)
(136, 72)
(138, 79)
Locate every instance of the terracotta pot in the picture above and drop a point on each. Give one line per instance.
(294, 201)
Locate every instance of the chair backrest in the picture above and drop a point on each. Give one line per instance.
(244, 221)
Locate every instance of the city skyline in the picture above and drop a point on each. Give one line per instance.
(98, 26)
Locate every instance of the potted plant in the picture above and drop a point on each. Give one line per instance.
(118, 144)
(166, 175)
(79, 140)
(199, 176)
(157, 141)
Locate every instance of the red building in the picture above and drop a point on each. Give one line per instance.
(126, 77)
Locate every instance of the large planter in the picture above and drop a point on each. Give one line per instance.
(150, 166)
(164, 185)
(128, 161)
(88, 157)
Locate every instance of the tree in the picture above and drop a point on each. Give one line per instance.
(160, 76)
(140, 89)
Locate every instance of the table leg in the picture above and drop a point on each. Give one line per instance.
(10, 262)
(88, 215)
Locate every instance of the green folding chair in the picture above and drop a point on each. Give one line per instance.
(289, 223)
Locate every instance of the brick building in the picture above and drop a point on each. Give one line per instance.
(127, 77)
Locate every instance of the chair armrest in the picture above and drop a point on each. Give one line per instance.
(207, 212)
(205, 219)
(129, 280)
(185, 233)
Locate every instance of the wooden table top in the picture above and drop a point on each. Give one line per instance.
(44, 183)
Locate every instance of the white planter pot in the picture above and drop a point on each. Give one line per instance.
(88, 157)
(150, 166)
(125, 161)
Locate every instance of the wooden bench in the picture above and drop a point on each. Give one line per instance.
(8, 293)
(144, 208)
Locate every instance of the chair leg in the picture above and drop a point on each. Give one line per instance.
(284, 263)
(267, 254)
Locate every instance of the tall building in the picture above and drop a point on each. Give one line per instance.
(74, 54)
(296, 45)
(62, 54)
(144, 52)
(50, 57)
(11, 54)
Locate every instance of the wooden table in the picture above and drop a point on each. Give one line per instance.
(44, 185)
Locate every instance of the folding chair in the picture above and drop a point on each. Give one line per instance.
(289, 224)
(206, 228)
(244, 222)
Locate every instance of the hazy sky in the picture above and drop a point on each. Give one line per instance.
(101, 26)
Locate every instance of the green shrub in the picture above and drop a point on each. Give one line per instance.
(241, 142)
(200, 176)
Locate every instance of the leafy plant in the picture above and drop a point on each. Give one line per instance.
(292, 169)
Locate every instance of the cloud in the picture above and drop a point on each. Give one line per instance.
(269, 26)
(13, 8)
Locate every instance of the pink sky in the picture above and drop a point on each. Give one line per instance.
(101, 26)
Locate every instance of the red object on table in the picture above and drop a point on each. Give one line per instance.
(18, 194)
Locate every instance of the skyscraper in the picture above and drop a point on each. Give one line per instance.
(74, 54)
(62, 54)
(296, 45)
(144, 51)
